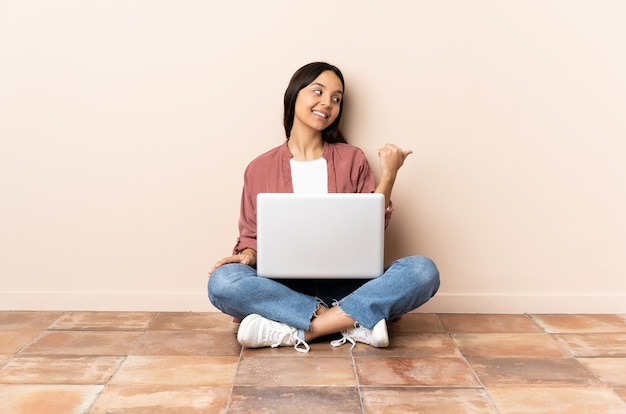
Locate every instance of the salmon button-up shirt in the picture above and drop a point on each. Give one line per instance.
(348, 172)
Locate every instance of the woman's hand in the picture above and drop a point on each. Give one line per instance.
(391, 159)
(246, 257)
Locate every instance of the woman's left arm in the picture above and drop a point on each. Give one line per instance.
(391, 159)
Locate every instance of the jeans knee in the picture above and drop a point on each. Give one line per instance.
(217, 285)
(426, 272)
(225, 281)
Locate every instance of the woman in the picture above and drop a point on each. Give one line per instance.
(316, 158)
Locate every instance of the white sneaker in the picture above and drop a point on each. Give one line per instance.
(377, 337)
(256, 331)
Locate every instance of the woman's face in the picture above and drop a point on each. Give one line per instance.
(318, 104)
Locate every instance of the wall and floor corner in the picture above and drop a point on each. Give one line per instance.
(125, 128)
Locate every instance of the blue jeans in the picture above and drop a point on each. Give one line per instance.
(406, 284)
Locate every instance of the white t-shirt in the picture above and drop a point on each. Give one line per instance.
(309, 176)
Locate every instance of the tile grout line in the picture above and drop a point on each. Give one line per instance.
(480, 382)
(570, 352)
(124, 358)
(37, 337)
(232, 383)
(358, 384)
(589, 370)
(532, 318)
(18, 352)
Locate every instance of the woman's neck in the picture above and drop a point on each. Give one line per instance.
(306, 147)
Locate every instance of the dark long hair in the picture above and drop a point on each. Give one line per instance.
(302, 78)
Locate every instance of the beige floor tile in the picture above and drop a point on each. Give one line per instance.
(594, 345)
(612, 371)
(486, 323)
(83, 343)
(193, 321)
(177, 370)
(287, 400)
(416, 345)
(498, 345)
(59, 370)
(161, 399)
(13, 341)
(47, 399)
(430, 372)
(556, 400)
(104, 321)
(4, 358)
(27, 320)
(532, 371)
(582, 323)
(426, 400)
(188, 362)
(295, 371)
(416, 323)
(187, 343)
(621, 392)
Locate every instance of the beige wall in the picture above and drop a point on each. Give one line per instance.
(125, 127)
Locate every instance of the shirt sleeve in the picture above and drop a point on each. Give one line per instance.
(247, 221)
(367, 184)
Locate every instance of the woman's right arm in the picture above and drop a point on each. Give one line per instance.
(244, 251)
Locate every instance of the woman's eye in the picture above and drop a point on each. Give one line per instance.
(317, 91)
(337, 99)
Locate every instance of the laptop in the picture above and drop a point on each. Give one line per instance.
(321, 236)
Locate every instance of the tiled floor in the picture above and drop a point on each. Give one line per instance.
(121, 362)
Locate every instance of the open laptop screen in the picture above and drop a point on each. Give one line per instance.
(334, 235)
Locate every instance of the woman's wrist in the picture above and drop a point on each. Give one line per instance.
(248, 252)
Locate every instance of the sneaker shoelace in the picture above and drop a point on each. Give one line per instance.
(354, 335)
(301, 342)
(289, 337)
(345, 338)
